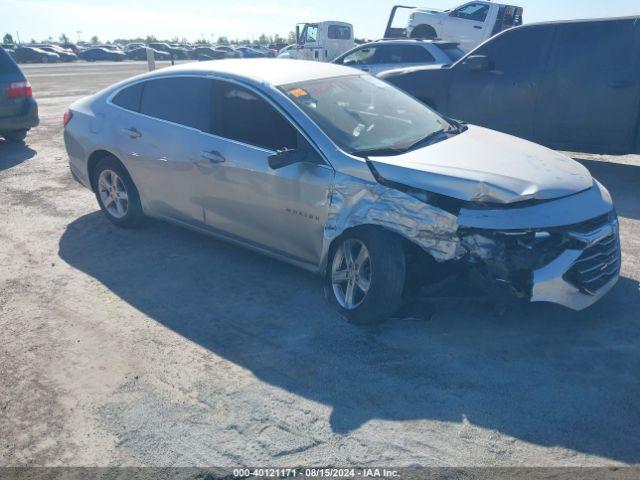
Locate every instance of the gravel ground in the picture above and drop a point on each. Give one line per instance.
(163, 347)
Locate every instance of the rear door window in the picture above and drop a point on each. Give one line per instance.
(402, 54)
(243, 116)
(598, 45)
(181, 100)
(7, 65)
(339, 32)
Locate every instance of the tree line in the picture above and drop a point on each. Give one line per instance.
(263, 39)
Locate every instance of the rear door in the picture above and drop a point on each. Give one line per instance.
(161, 135)
(504, 97)
(9, 73)
(590, 95)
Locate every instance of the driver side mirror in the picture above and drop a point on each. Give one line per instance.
(478, 63)
(285, 157)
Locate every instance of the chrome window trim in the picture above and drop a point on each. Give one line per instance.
(213, 76)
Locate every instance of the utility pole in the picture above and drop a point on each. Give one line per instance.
(78, 32)
(18, 36)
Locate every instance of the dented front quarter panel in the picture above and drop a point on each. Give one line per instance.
(356, 202)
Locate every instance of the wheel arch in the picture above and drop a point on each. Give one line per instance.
(407, 244)
(95, 158)
(424, 30)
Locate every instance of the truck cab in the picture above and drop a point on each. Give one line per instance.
(321, 41)
(469, 24)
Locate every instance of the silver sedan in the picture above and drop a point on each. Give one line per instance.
(342, 174)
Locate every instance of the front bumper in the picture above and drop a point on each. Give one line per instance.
(28, 118)
(578, 278)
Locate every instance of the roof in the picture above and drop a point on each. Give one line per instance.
(274, 71)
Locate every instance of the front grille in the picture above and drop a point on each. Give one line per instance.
(597, 266)
(591, 225)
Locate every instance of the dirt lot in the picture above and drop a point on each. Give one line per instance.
(163, 347)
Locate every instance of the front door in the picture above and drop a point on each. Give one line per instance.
(467, 25)
(590, 95)
(504, 97)
(282, 210)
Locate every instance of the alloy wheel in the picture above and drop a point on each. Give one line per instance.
(351, 273)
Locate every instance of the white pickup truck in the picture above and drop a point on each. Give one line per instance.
(468, 25)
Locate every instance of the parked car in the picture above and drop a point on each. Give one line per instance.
(247, 52)
(102, 54)
(229, 51)
(376, 57)
(34, 55)
(208, 53)
(65, 55)
(141, 54)
(568, 85)
(469, 24)
(133, 46)
(178, 53)
(18, 109)
(267, 52)
(342, 174)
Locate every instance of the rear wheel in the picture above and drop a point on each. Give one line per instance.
(15, 136)
(366, 275)
(116, 193)
(426, 32)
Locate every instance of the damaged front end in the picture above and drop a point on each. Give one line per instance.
(573, 266)
(564, 250)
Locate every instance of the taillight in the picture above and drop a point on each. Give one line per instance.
(68, 115)
(19, 90)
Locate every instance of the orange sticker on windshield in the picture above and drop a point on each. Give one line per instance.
(298, 92)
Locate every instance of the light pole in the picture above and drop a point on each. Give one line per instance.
(78, 32)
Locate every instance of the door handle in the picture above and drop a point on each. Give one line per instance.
(132, 132)
(620, 84)
(212, 157)
(477, 27)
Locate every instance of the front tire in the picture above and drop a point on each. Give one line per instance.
(116, 193)
(366, 275)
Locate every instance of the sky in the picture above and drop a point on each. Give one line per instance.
(210, 19)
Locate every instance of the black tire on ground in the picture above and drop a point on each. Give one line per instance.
(134, 214)
(15, 135)
(387, 276)
(426, 32)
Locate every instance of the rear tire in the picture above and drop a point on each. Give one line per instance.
(366, 286)
(425, 32)
(116, 193)
(15, 136)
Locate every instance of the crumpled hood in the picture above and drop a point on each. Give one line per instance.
(482, 165)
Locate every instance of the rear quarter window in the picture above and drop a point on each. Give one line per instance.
(7, 65)
(129, 98)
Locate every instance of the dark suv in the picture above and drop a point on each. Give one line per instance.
(18, 109)
(567, 85)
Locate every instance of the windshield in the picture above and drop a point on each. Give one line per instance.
(365, 116)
